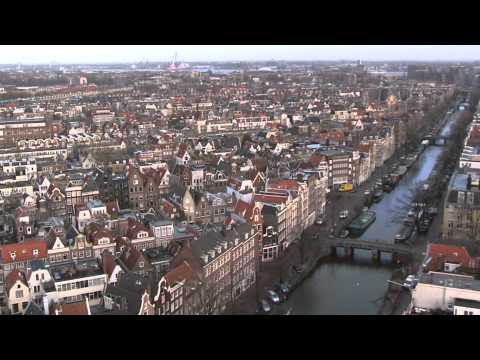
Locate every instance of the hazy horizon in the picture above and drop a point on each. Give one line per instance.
(101, 54)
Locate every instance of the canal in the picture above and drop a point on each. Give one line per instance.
(357, 285)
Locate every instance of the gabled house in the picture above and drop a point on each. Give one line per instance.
(140, 236)
(182, 157)
(43, 184)
(111, 267)
(133, 260)
(173, 287)
(80, 248)
(56, 201)
(58, 248)
(18, 292)
(132, 295)
(82, 216)
(101, 239)
(38, 278)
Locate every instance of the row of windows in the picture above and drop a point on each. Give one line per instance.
(66, 256)
(91, 296)
(80, 284)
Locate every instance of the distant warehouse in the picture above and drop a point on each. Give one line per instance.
(26, 128)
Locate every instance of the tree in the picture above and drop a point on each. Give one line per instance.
(246, 138)
(206, 298)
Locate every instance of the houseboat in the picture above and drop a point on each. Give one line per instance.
(361, 223)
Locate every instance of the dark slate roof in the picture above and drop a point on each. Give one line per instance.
(467, 303)
(130, 289)
(211, 236)
(33, 309)
(71, 233)
(231, 141)
(90, 185)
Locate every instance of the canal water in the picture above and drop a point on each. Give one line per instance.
(356, 286)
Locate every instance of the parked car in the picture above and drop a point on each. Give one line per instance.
(409, 282)
(273, 296)
(367, 193)
(343, 214)
(281, 296)
(298, 268)
(365, 208)
(344, 234)
(265, 306)
(283, 288)
(320, 220)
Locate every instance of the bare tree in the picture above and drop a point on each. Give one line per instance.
(206, 300)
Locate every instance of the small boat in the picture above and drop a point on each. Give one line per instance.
(405, 233)
(378, 195)
(424, 226)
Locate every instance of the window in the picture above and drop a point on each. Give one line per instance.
(36, 277)
(19, 294)
(141, 264)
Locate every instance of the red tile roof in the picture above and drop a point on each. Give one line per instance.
(134, 227)
(315, 160)
(112, 207)
(24, 251)
(13, 277)
(271, 199)
(243, 208)
(79, 308)
(131, 256)
(180, 273)
(284, 184)
(108, 262)
(441, 253)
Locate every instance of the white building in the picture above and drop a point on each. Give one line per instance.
(436, 290)
(38, 277)
(198, 178)
(102, 116)
(466, 307)
(163, 232)
(25, 169)
(74, 282)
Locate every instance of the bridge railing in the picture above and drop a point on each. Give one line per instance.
(373, 245)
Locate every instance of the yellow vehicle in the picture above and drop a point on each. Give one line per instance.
(345, 187)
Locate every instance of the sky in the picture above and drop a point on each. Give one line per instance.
(45, 54)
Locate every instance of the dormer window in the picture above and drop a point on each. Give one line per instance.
(35, 252)
(13, 254)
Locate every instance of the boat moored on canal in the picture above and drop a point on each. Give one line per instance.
(378, 195)
(405, 232)
(358, 226)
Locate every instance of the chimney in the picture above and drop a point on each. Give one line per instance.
(88, 305)
(46, 310)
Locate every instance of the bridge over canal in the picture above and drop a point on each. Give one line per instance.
(375, 246)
